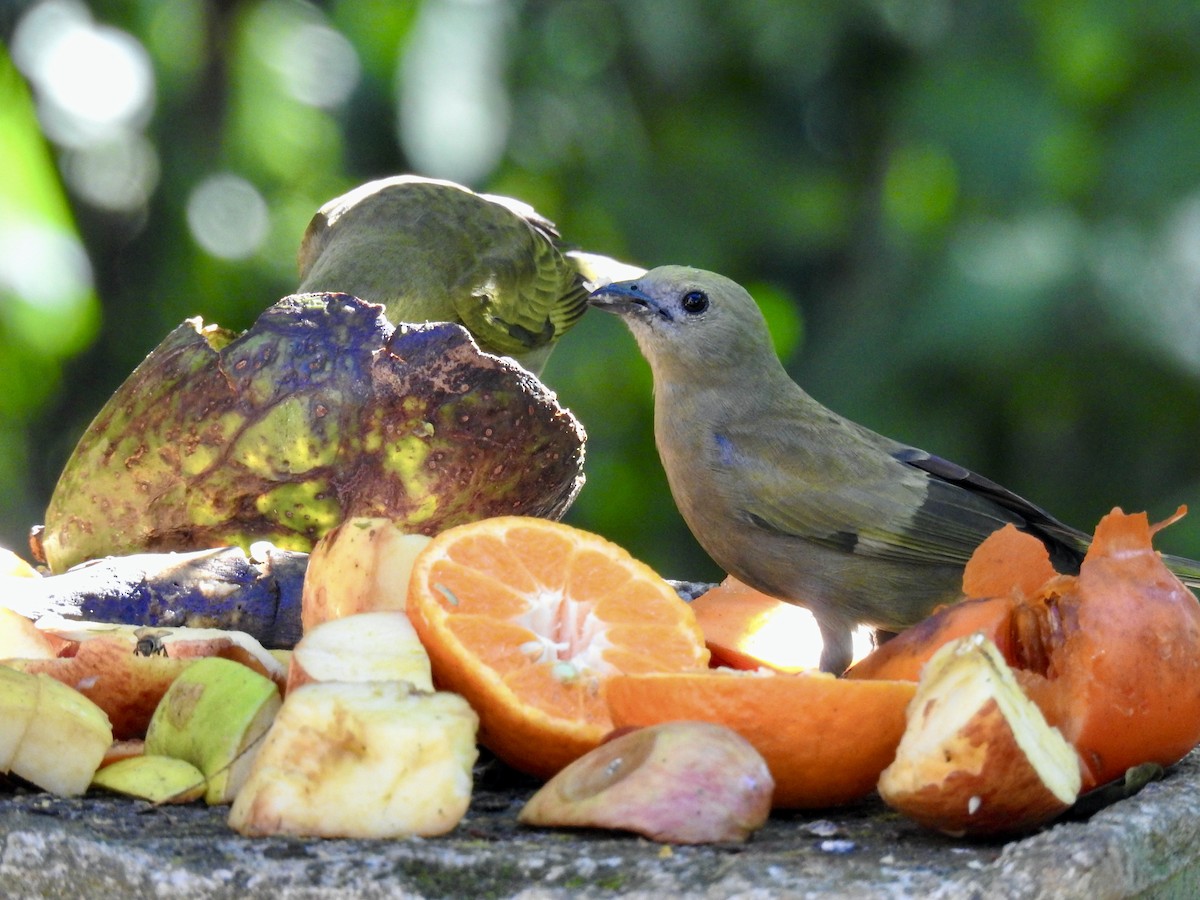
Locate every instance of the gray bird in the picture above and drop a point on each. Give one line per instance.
(793, 499)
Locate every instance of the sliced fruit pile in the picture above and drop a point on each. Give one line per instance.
(559, 610)
(547, 644)
(1105, 664)
(207, 714)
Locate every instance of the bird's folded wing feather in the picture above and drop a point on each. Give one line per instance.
(834, 484)
(525, 294)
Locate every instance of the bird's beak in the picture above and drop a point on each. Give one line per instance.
(623, 297)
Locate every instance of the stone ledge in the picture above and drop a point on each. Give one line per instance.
(1148, 845)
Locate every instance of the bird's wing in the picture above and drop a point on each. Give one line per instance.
(1067, 544)
(522, 293)
(835, 484)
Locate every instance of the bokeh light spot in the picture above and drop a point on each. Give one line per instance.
(91, 80)
(117, 174)
(228, 216)
(46, 282)
(318, 64)
(454, 109)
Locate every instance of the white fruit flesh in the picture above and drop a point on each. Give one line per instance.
(363, 565)
(372, 646)
(64, 742)
(362, 760)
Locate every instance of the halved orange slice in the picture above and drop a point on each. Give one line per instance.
(528, 618)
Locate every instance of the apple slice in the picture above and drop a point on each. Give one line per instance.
(361, 565)
(182, 642)
(158, 779)
(370, 646)
(213, 716)
(18, 700)
(678, 782)
(20, 638)
(52, 736)
(977, 756)
(361, 760)
(197, 643)
(126, 669)
(108, 672)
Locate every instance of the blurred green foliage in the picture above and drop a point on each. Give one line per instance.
(975, 226)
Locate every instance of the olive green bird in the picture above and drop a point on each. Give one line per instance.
(435, 251)
(793, 499)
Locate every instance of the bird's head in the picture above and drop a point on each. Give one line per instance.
(686, 318)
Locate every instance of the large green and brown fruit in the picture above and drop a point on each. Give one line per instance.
(320, 411)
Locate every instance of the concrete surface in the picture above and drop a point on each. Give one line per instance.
(1145, 846)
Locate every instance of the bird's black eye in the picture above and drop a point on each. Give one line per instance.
(694, 302)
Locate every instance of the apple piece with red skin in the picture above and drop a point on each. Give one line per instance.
(677, 782)
(126, 669)
(128, 687)
(176, 642)
(362, 565)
